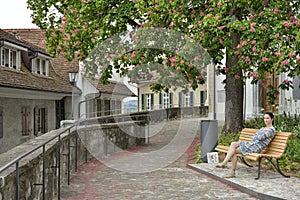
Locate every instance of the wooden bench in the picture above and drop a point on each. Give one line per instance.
(275, 149)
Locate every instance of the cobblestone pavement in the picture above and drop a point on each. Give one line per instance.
(94, 180)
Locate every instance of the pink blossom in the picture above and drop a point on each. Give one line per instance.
(276, 35)
(182, 62)
(278, 54)
(253, 24)
(264, 59)
(195, 25)
(261, 13)
(226, 69)
(287, 24)
(248, 60)
(63, 19)
(286, 81)
(252, 30)
(221, 41)
(253, 42)
(188, 75)
(244, 43)
(285, 62)
(275, 11)
(221, 27)
(263, 28)
(298, 60)
(190, 65)
(178, 68)
(156, 7)
(219, 3)
(200, 77)
(173, 59)
(96, 31)
(236, 52)
(292, 54)
(254, 49)
(237, 76)
(208, 15)
(217, 17)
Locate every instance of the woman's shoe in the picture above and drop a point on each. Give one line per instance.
(221, 165)
(231, 175)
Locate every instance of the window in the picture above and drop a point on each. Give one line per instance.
(165, 100)
(147, 101)
(40, 66)
(189, 99)
(202, 98)
(10, 58)
(150, 99)
(40, 120)
(25, 121)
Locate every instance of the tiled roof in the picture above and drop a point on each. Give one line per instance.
(113, 87)
(13, 38)
(26, 79)
(60, 65)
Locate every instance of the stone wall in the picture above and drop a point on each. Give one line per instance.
(95, 138)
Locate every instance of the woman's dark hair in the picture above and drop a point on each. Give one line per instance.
(271, 115)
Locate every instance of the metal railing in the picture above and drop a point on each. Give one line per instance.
(42, 146)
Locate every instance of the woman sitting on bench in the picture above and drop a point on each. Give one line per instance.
(260, 140)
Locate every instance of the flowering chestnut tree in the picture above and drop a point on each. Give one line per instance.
(254, 38)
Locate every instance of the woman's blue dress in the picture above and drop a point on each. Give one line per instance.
(260, 140)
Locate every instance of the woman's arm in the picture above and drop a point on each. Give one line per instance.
(266, 134)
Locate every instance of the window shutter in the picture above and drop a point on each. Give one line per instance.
(160, 100)
(171, 99)
(152, 101)
(143, 102)
(179, 99)
(47, 67)
(202, 98)
(1, 122)
(191, 99)
(1, 58)
(35, 118)
(46, 120)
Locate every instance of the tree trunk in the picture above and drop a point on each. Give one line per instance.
(234, 92)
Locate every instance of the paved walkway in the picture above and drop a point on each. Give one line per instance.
(137, 174)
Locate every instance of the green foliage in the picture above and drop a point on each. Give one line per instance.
(226, 139)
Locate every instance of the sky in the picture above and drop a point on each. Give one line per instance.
(14, 14)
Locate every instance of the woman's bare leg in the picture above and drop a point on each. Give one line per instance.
(231, 152)
(234, 160)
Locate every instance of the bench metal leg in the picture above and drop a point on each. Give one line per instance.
(258, 170)
(278, 168)
(244, 161)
